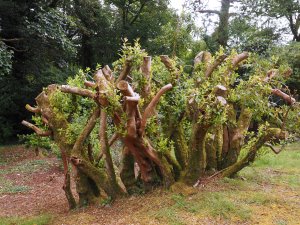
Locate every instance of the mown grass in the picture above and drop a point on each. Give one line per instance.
(36, 220)
(237, 200)
(267, 192)
(282, 169)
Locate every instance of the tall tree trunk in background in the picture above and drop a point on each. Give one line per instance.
(222, 30)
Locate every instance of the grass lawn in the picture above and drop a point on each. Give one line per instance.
(267, 192)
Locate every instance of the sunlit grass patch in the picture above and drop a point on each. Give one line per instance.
(211, 204)
(7, 187)
(281, 169)
(36, 220)
(225, 205)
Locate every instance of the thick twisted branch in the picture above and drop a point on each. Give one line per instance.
(150, 108)
(87, 130)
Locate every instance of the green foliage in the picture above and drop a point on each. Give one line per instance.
(33, 140)
(135, 54)
(246, 35)
(5, 60)
(177, 38)
(274, 10)
(290, 55)
(51, 24)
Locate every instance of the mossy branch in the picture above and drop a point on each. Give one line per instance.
(37, 130)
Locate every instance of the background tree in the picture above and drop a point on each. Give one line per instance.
(221, 32)
(288, 11)
(35, 32)
(50, 40)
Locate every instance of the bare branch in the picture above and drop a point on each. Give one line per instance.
(275, 72)
(101, 81)
(113, 138)
(150, 108)
(125, 88)
(132, 98)
(146, 70)
(11, 39)
(287, 98)
(77, 91)
(239, 58)
(168, 64)
(90, 84)
(273, 149)
(209, 11)
(45, 120)
(87, 130)
(102, 135)
(220, 90)
(202, 57)
(214, 65)
(107, 73)
(131, 107)
(221, 100)
(90, 152)
(16, 50)
(32, 109)
(37, 130)
(125, 71)
(270, 74)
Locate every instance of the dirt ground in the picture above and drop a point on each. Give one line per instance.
(44, 192)
(32, 185)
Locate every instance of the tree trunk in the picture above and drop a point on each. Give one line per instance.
(223, 28)
(127, 173)
(106, 153)
(197, 154)
(213, 147)
(270, 134)
(180, 146)
(236, 136)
